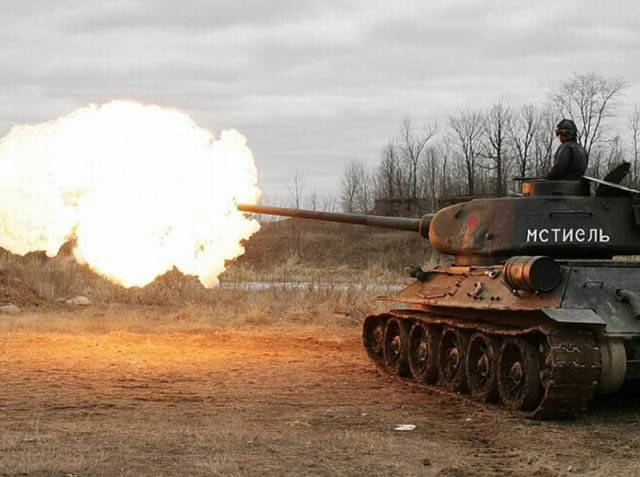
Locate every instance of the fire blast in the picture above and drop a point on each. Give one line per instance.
(141, 189)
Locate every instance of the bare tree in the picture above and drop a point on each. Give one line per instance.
(328, 202)
(467, 128)
(633, 123)
(349, 183)
(389, 172)
(495, 126)
(445, 148)
(589, 99)
(356, 191)
(295, 185)
(366, 193)
(522, 132)
(412, 144)
(295, 190)
(430, 184)
(312, 201)
(436, 174)
(615, 155)
(544, 138)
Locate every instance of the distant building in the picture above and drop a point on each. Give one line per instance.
(404, 207)
(401, 207)
(447, 201)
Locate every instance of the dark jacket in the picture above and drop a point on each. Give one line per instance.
(570, 162)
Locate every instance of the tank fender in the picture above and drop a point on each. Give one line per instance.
(578, 317)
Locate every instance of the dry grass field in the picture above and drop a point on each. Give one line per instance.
(173, 379)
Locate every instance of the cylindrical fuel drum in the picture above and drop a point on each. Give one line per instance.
(532, 274)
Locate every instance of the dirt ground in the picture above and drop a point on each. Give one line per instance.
(267, 400)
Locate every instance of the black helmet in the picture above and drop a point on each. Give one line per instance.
(567, 128)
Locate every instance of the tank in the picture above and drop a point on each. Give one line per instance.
(540, 308)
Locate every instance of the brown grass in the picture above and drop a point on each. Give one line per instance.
(173, 301)
(225, 309)
(338, 267)
(328, 246)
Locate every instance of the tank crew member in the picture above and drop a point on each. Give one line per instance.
(570, 161)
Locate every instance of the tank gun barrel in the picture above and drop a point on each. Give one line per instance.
(420, 225)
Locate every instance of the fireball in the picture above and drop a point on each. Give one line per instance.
(140, 188)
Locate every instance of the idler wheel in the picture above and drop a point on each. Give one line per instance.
(423, 352)
(395, 347)
(373, 338)
(519, 380)
(481, 367)
(453, 348)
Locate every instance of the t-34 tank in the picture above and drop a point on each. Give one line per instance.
(540, 310)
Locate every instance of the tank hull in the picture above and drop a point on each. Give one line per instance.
(526, 317)
(544, 354)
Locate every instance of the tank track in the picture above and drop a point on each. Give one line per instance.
(546, 372)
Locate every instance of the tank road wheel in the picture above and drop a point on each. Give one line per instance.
(373, 338)
(481, 364)
(423, 352)
(395, 347)
(519, 380)
(453, 347)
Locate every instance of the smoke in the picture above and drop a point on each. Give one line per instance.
(141, 188)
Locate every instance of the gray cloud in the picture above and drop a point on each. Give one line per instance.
(315, 82)
(196, 14)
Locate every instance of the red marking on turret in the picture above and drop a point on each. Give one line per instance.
(473, 222)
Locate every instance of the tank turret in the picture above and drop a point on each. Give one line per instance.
(538, 312)
(560, 219)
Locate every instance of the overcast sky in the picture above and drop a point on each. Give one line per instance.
(310, 83)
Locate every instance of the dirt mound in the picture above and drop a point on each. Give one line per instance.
(326, 245)
(35, 279)
(13, 290)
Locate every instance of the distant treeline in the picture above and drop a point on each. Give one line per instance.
(481, 151)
